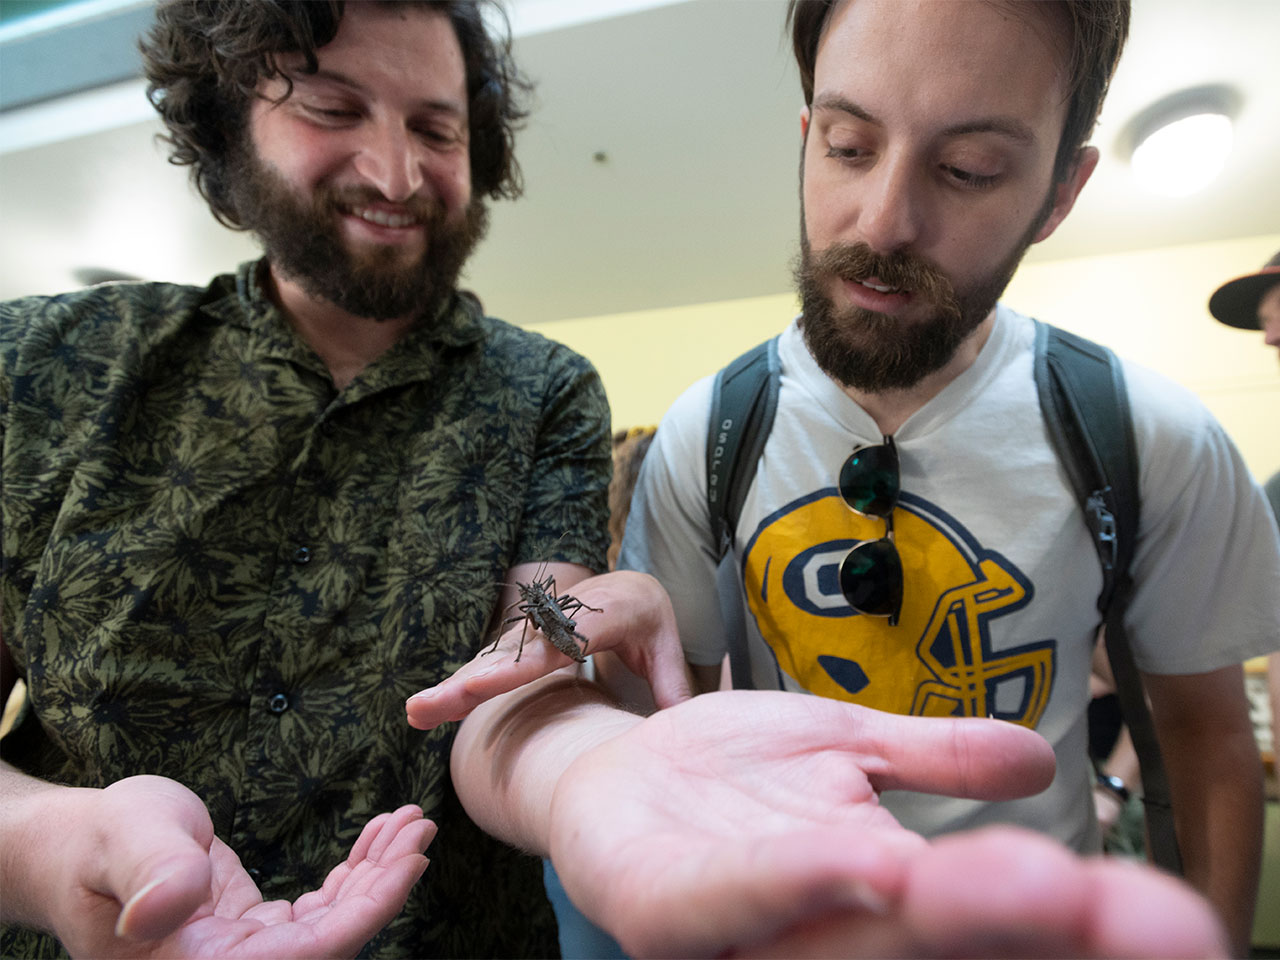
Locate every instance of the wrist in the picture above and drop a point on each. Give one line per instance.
(510, 753)
(36, 819)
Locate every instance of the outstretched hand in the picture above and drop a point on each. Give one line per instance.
(748, 823)
(633, 620)
(149, 879)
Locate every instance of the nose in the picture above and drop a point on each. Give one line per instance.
(891, 212)
(1269, 317)
(390, 160)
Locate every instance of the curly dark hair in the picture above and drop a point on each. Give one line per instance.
(204, 59)
(1097, 31)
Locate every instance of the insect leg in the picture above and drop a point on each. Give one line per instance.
(499, 631)
(570, 604)
(522, 633)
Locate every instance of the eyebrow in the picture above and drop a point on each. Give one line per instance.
(451, 107)
(1006, 127)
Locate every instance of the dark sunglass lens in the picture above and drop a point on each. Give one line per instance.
(869, 480)
(871, 578)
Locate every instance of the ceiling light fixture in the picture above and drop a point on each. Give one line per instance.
(1180, 143)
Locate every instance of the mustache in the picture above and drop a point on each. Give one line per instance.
(423, 208)
(857, 262)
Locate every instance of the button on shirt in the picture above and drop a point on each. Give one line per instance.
(219, 569)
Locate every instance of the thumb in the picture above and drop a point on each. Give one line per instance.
(640, 630)
(668, 675)
(154, 855)
(162, 896)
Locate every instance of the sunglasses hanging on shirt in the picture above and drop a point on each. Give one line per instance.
(871, 575)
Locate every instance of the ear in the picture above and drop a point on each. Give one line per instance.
(804, 123)
(1065, 193)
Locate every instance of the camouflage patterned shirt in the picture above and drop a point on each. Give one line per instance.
(218, 568)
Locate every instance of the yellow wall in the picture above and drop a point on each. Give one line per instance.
(1149, 306)
(649, 357)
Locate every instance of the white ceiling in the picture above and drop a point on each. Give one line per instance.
(694, 106)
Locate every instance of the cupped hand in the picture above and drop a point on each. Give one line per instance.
(153, 881)
(633, 619)
(749, 823)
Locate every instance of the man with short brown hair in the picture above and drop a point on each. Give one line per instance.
(911, 541)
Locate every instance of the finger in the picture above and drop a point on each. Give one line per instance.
(350, 922)
(1024, 894)
(359, 855)
(976, 758)
(669, 681)
(961, 757)
(383, 842)
(410, 844)
(158, 905)
(387, 838)
(368, 896)
(347, 881)
(447, 700)
(1000, 891)
(360, 849)
(634, 620)
(233, 892)
(488, 675)
(719, 896)
(1005, 892)
(1138, 911)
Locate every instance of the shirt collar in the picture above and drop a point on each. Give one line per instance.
(246, 305)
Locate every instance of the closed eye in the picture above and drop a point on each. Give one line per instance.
(967, 179)
(845, 153)
(437, 136)
(441, 136)
(332, 115)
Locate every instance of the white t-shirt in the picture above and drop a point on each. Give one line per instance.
(1001, 578)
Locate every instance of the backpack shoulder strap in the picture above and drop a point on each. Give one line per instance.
(744, 399)
(1086, 409)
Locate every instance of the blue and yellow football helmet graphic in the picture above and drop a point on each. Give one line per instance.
(938, 660)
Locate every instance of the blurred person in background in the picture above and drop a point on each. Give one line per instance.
(1252, 302)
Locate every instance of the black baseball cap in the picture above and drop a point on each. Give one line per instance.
(1235, 303)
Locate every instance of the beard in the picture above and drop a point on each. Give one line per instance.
(874, 352)
(302, 238)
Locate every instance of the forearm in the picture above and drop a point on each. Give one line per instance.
(510, 752)
(28, 808)
(1216, 783)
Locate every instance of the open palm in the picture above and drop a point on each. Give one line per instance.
(744, 821)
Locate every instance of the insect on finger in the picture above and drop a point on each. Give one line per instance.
(540, 608)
